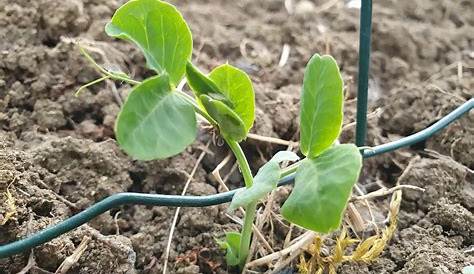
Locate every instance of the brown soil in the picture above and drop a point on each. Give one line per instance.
(58, 155)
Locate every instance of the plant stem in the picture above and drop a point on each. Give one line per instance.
(112, 75)
(249, 209)
(241, 161)
(96, 81)
(291, 169)
(246, 235)
(107, 74)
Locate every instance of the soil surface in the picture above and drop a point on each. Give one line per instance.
(58, 154)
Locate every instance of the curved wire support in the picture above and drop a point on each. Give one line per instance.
(199, 201)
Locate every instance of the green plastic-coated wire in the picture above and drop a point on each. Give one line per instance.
(364, 64)
(199, 201)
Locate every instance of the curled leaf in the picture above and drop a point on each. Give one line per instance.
(232, 247)
(264, 182)
(230, 124)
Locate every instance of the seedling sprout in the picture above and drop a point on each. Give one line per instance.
(158, 121)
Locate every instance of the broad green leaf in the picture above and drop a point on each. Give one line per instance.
(232, 245)
(230, 124)
(264, 182)
(237, 87)
(155, 122)
(321, 105)
(159, 30)
(323, 186)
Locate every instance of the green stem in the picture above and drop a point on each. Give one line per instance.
(249, 209)
(247, 233)
(106, 72)
(241, 161)
(96, 81)
(290, 169)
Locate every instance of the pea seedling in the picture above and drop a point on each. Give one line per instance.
(159, 121)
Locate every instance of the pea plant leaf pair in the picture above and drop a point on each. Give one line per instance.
(159, 121)
(156, 121)
(324, 180)
(227, 95)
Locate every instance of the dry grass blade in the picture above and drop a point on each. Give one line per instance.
(384, 192)
(304, 241)
(371, 115)
(271, 140)
(10, 204)
(71, 260)
(31, 259)
(175, 218)
(217, 174)
(285, 54)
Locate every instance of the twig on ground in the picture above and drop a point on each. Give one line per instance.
(59, 197)
(31, 259)
(115, 92)
(288, 236)
(281, 264)
(271, 140)
(453, 145)
(371, 115)
(369, 208)
(385, 191)
(434, 153)
(355, 220)
(175, 218)
(326, 6)
(71, 260)
(285, 53)
(305, 240)
(31, 263)
(117, 228)
(452, 95)
(220, 166)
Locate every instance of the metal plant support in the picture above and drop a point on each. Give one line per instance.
(210, 200)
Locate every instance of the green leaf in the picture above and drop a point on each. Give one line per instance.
(232, 245)
(155, 122)
(201, 84)
(264, 182)
(237, 87)
(230, 124)
(321, 105)
(159, 30)
(322, 189)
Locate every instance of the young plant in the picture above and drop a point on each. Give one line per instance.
(159, 121)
